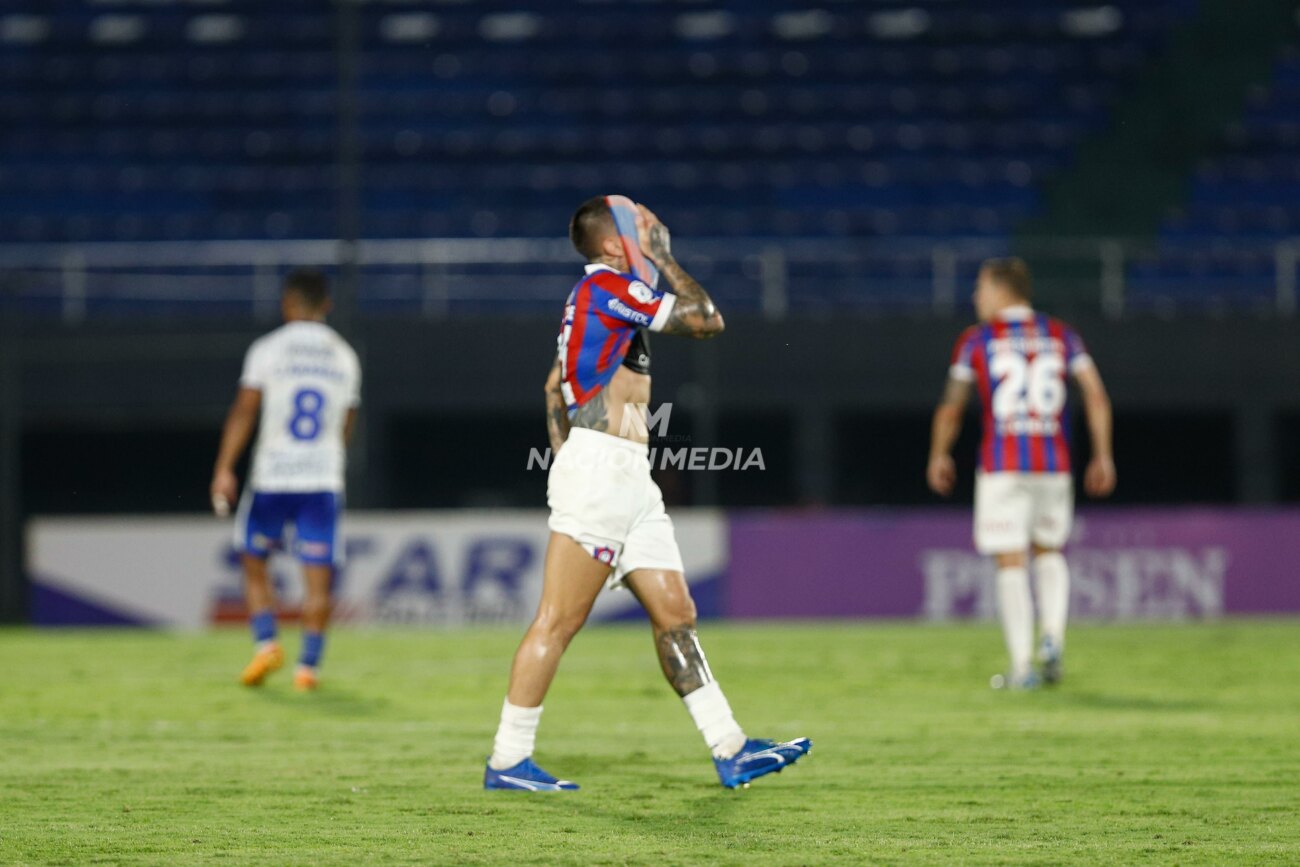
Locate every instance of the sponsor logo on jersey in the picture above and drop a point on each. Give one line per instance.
(628, 313)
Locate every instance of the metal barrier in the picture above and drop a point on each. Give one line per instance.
(438, 277)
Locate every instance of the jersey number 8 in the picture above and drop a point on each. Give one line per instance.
(1027, 386)
(308, 404)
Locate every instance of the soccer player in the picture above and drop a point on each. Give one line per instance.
(1024, 496)
(608, 524)
(305, 382)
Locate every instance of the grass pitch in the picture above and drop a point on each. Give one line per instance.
(1166, 744)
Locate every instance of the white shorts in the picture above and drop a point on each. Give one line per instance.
(601, 495)
(1015, 510)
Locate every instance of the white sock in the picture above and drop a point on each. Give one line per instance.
(516, 735)
(712, 715)
(1052, 578)
(1016, 608)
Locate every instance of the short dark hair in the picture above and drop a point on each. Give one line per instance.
(1013, 273)
(310, 285)
(591, 223)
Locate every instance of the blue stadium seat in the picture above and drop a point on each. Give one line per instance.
(156, 120)
(1221, 242)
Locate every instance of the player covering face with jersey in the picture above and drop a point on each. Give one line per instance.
(304, 382)
(1019, 359)
(608, 523)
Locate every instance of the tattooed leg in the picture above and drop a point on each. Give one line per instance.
(667, 600)
(682, 658)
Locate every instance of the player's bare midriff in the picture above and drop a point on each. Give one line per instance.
(610, 411)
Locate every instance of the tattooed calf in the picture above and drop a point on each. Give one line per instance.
(682, 658)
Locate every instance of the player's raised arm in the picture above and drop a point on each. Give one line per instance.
(941, 472)
(557, 413)
(694, 314)
(1099, 479)
(235, 435)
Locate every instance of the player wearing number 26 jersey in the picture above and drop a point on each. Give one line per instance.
(305, 382)
(1018, 363)
(1018, 360)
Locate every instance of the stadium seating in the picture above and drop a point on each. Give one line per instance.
(1219, 249)
(133, 120)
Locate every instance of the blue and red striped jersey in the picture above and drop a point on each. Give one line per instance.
(601, 317)
(1019, 363)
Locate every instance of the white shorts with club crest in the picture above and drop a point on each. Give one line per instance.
(601, 495)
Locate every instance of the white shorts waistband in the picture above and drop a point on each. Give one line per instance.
(595, 439)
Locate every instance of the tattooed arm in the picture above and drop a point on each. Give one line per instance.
(941, 473)
(557, 414)
(694, 314)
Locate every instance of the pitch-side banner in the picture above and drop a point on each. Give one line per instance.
(1125, 564)
(417, 568)
(466, 567)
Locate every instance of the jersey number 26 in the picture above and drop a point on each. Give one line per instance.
(1027, 386)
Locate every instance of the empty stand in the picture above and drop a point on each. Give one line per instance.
(141, 121)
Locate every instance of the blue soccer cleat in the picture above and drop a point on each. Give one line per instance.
(759, 757)
(525, 777)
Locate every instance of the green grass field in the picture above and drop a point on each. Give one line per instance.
(1166, 744)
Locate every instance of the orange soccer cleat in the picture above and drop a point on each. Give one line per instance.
(267, 659)
(304, 679)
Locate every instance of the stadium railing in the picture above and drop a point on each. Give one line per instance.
(440, 277)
